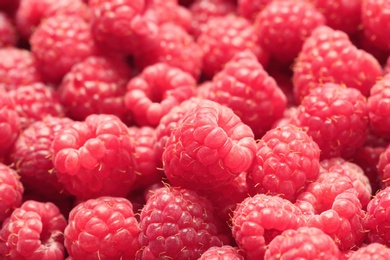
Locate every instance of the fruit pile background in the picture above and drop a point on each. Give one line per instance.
(194, 129)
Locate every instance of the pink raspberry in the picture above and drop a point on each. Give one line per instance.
(59, 42)
(244, 86)
(18, 67)
(371, 251)
(95, 157)
(34, 231)
(210, 147)
(249, 9)
(173, 46)
(219, 47)
(31, 157)
(302, 243)
(287, 159)
(102, 228)
(383, 167)
(177, 223)
(329, 56)
(336, 117)
(259, 219)
(11, 191)
(8, 34)
(96, 85)
(155, 91)
(222, 253)
(283, 26)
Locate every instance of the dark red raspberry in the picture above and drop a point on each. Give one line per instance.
(250, 8)
(204, 10)
(329, 56)
(18, 67)
(8, 34)
(244, 86)
(222, 253)
(96, 85)
(378, 220)
(258, 219)
(302, 243)
(31, 13)
(155, 91)
(120, 26)
(287, 159)
(34, 231)
(102, 228)
(174, 46)
(371, 251)
(34, 102)
(11, 191)
(219, 47)
(283, 26)
(95, 157)
(59, 42)
(31, 156)
(336, 117)
(209, 147)
(177, 224)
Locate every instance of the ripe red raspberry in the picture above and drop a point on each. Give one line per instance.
(384, 167)
(329, 56)
(204, 10)
(31, 156)
(376, 22)
(35, 101)
(244, 86)
(258, 219)
(283, 26)
(34, 231)
(302, 243)
(58, 43)
(174, 46)
(11, 191)
(222, 253)
(371, 251)
(31, 13)
(95, 157)
(225, 36)
(96, 85)
(8, 34)
(102, 228)
(18, 67)
(377, 220)
(155, 91)
(177, 223)
(336, 117)
(287, 159)
(210, 147)
(249, 9)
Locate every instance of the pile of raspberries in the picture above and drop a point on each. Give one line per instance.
(194, 129)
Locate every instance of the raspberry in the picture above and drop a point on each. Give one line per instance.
(258, 219)
(376, 21)
(383, 167)
(59, 42)
(219, 47)
(340, 15)
(249, 9)
(177, 223)
(244, 86)
(102, 228)
(155, 91)
(204, 10)
(283, 26)
(303, 243)
(329, 56)
(222, 253)
(210, 147)
(287, 159)
(34, 231)
(31, 156)
(11, 191)
(35, 101)
(18, 67)
(371, 251)
(8, 34)
(95, 157)
(377, 220)
(174, 46)
(95, 85)
(336, 117)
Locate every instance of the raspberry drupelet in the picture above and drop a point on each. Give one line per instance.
(11, 191)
